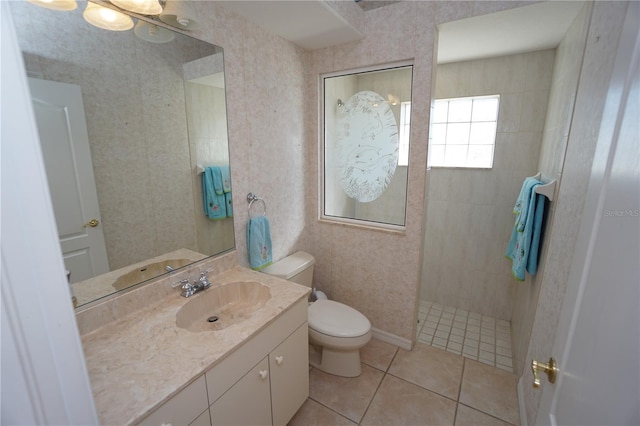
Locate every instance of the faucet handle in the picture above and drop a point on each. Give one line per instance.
(180, 283)
(204, 279)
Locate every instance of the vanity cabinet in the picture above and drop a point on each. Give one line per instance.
(186, 408)
(262, 382)
(248, 402)
(266, 380)
(289, 375)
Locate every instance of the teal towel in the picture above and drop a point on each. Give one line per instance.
(226, 179)
(521, 209)
(216, 175)
(229, 200)
(522, 249)
(215, 205)
(534, 251)
(259, 242)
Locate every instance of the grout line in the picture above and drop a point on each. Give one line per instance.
(476, 357)
(373, 397)
(490, 415)
(331, 409)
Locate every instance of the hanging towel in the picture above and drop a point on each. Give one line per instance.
(215, 206)
(259, 242)
(534, 251)
(229, 202)
(216, 175)
(524, 243)
(226, 179)
(521, 209)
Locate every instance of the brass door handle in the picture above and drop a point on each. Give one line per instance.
(92, 223)
(551, 368)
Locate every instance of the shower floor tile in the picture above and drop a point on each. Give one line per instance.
(470, 334)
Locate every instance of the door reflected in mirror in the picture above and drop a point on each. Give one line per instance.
(151, 113)
(367, 121)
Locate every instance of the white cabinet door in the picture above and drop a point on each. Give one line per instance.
(183, 408)
(289, 367)
(247, 402)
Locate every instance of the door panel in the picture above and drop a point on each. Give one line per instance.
(65, 145)
(598, 341)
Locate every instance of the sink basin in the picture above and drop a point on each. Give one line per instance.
(220, 307)
(147, 272)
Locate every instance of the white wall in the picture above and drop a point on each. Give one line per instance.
(552, 153)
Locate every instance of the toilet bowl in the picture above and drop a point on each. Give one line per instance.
(336, 331)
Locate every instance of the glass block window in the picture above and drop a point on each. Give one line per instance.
(463, 132)
(404, 130)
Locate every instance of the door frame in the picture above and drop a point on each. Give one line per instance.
(44, 376)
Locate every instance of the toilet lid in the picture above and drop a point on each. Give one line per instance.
(336, 319)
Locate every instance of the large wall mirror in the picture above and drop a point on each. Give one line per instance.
(128, 122)
(367, 119)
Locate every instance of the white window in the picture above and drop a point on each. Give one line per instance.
(463, 132)
(405, 127)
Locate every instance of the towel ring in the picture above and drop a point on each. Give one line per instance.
(252, 198)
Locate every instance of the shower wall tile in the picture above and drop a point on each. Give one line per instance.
(568, 62)
(596, 31)
(469, 213)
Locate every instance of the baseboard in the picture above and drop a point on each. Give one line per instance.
(521, 406)
(391, 338)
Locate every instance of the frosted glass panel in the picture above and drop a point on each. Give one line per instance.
(366, 147)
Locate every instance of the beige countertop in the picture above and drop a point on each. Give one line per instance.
(137, 362)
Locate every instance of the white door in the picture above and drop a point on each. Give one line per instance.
(598, 339)
(65, 146)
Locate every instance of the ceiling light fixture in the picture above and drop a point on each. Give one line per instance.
(180, 15)
(153, 33)
(143, 7)
(107, 19)
(56, 4)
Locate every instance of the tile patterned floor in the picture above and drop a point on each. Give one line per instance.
(472, 335)
(425, 386)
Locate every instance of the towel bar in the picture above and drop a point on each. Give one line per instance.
(252, 198)
(546, 189)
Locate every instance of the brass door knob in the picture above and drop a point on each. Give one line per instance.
(551, 368)
(92, 223)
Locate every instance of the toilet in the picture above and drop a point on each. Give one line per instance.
(336, 331)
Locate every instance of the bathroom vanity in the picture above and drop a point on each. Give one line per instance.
(145, 369)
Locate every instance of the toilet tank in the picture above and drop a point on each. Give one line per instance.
(297, 267)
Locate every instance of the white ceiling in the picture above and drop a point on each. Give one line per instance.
(312, 24)
(524, 29)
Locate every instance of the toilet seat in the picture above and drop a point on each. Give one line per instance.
(336, 319)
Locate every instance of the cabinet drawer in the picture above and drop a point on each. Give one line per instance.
(182, 408)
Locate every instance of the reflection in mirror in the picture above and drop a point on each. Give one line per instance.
(366, 145)
(126, 124)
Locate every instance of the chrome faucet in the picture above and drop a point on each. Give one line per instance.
(189, 289)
